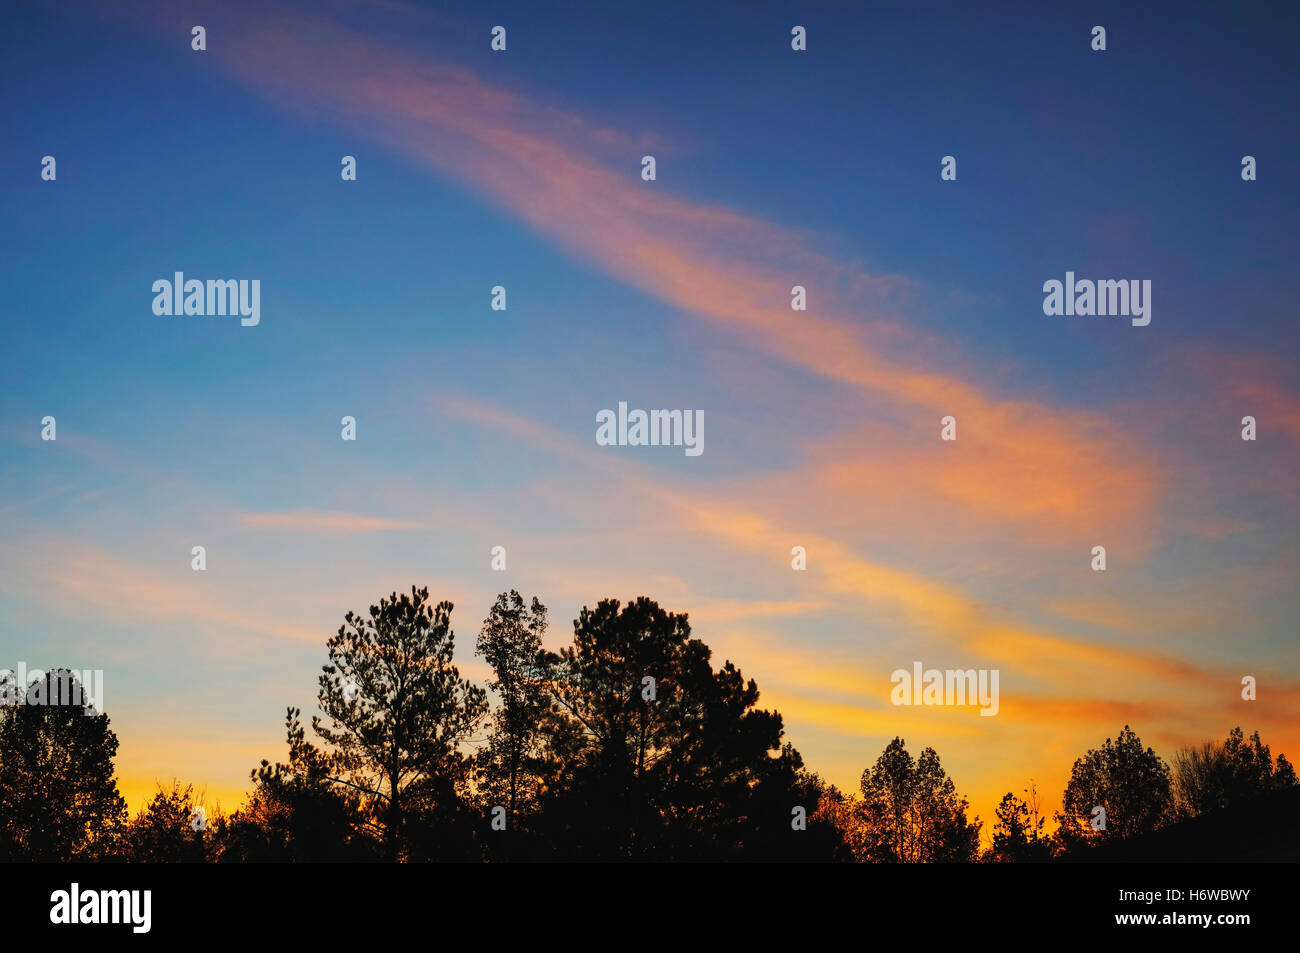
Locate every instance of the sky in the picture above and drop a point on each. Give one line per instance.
(476, 427)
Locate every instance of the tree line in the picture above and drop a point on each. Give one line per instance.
(626, 745)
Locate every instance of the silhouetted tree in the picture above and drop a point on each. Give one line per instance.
(58, 794)
(1132, 784)
(1018, 834)
(729, 784)
(608, 742)
(165, 831)
(396, 715)
(839, 811)
(1216, 775)
(295, 812)
(911, 813)
(825, 839)
(652, 754)
(509, 763)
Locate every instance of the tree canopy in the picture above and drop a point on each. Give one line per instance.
(625, 743)
(58, 791)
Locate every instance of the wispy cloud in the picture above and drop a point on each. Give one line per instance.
(324, 521)
(577, 182)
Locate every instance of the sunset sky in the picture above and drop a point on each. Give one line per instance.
(476, 428)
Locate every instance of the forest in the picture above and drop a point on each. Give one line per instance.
(625, 745)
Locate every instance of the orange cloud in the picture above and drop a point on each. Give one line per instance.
(927, 605)
(93, 578)
(576, 182)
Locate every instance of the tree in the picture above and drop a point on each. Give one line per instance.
(1213, 775)
(295, 812)
(164, 832)
(609, 731)
(910, 811)
(729, 783)
(1131, 784)
(836, 820)
(509, 763)
(653, 754)
(58, 792)
(1018, 834)
(397, 713)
